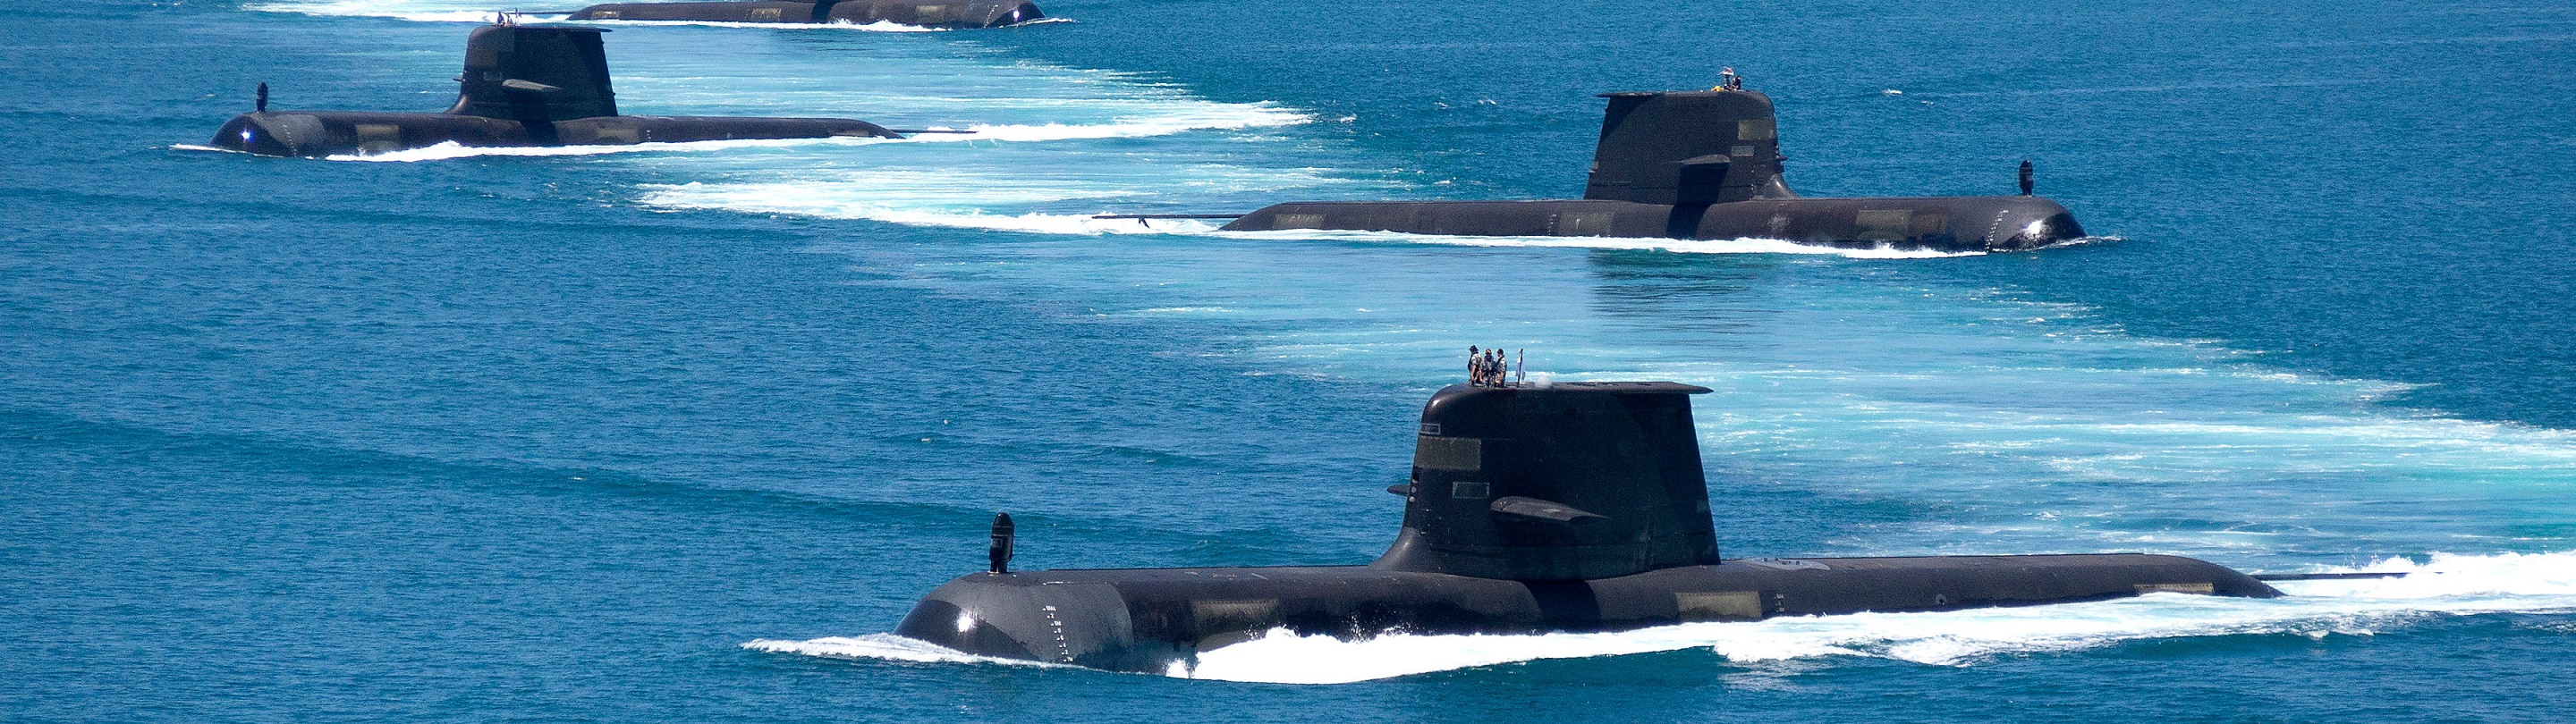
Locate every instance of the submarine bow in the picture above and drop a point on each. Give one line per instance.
(523, 85)
(1700, 165)
(1530, 509)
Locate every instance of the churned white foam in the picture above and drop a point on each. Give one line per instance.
(1214, 116)
(1039, 132)
(881, 26)
(482, 11)
(883, 646)
(426, 11)
(1682, 246)
(794, 199)
(1005, 188)
(1041, 223)
(2444, 585)
(452, 150)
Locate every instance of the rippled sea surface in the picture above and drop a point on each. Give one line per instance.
(677, 433)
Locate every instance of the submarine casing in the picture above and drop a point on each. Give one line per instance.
(932, 14)
(522, 86)
(1576, 507)
(1700, 165)
(1965, 223)
(329, 133)
(1147, 620)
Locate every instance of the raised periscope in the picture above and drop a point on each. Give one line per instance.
(1532, 508)
(933, 14)
(523, 86)
(1703, 165)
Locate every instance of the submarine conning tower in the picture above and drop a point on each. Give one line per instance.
(535, 73)
(1561, 481)
(1683, 148)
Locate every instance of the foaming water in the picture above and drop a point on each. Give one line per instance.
(1748, 245)
(2444, 584)
(1016, 144)
(475, 11)
(1987, 422)
(887, 647)
(453, 150)
(425, 11)
(498, 421)
(980, 132)
(881, 26)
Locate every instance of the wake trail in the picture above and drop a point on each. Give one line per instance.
(942, 134)
(2443, 585)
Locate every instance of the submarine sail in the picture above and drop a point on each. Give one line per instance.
(1571, 507)
(524, 85)
(1700, 165)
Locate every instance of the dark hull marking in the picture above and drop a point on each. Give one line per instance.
(522, 86)
(1577, 507)
(1701, 165)
(931, 14)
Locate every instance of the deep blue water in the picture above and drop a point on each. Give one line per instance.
(488, 437)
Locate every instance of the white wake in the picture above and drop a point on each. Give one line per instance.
(2447, 584)
(1680, 246)
(2444, 585)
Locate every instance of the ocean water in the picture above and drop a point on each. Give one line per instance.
(678, 432)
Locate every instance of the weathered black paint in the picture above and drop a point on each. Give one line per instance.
(932, 13)
(522, 86)
(1700, 165)
(1488, 547)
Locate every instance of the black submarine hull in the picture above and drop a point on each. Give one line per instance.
(934, 14)
(326, 133)
(523, 85)
(1154, 620)
(1957, 224)
(1702, 165)
(1563, 507)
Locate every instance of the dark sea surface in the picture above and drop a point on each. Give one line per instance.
(677, 433)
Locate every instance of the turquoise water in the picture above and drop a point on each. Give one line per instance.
(676, 433)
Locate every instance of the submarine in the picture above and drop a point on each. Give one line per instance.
(1698, 165)
(932, 14)
(1532, 508)
(524, 85)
